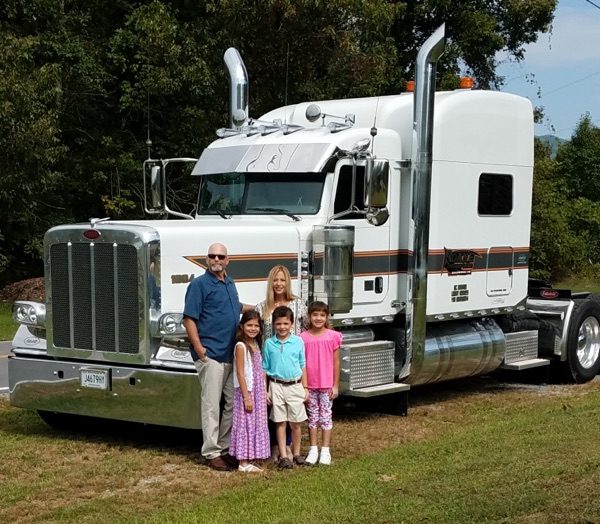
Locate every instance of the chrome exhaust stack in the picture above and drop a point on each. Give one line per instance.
(421, 162)
(238, 88)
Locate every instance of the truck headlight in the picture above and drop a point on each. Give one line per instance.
(30, 313)
(171, 324)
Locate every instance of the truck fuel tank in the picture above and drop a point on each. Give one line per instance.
(460, 349)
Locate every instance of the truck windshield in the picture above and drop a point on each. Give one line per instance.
(261, 193)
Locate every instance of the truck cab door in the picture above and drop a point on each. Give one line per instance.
(371, 243)
(499, 271)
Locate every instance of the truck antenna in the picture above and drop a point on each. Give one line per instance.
(148, 140)
(374, 128)
(287, 72)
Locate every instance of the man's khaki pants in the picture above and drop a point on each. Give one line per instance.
(216, 381)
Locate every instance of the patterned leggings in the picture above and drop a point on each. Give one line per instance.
(318, 408)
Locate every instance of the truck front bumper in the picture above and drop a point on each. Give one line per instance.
(152, 396)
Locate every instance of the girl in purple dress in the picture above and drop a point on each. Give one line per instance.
(250, 433)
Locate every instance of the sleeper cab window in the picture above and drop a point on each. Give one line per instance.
(495, 196)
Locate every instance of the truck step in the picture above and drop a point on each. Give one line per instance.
(382, 389)
(526, 364)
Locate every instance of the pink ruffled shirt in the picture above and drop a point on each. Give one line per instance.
(319, 352)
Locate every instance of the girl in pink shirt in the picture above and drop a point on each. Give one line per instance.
(321, 345)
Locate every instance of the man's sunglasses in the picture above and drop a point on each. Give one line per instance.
(212, 256)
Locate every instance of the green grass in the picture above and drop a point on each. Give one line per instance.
(529, 465)
(8, 327)
(529, 456)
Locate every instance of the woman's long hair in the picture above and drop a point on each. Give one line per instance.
(270, 299)
(250, 315)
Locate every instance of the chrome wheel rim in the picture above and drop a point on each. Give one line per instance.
(588, 342)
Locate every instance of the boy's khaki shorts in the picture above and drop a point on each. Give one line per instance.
(288, 402)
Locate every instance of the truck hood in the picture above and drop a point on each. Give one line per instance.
(254, 246)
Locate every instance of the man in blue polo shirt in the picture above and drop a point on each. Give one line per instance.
(211, 316)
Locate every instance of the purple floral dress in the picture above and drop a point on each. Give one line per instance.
(250, 432)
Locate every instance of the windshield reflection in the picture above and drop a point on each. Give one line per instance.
(261, 193)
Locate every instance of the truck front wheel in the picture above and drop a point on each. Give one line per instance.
(583, 343)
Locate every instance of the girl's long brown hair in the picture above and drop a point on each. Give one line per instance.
(250, 315)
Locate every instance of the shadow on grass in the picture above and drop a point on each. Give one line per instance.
(188, 442)
(348, 408)
(110, 432)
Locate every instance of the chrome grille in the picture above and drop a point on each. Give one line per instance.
(95, 304)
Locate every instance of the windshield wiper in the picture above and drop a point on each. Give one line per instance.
(222, 215)
(275, 210)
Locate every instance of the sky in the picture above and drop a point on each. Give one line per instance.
(564, 67)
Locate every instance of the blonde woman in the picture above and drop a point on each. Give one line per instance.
(279, 293)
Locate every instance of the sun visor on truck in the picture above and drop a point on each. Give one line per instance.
(261, 158)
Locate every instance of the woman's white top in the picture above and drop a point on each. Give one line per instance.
(300, 316)
(240, 346)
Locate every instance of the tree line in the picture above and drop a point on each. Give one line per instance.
(565, 228)
(83, 83)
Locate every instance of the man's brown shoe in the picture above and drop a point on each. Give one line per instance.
(218, 464)
(232, 462)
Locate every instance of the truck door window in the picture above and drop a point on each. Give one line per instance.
(495, 194)
(343, 193)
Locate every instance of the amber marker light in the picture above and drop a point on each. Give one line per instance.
(466, 82)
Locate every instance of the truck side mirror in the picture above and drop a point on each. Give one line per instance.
(376, 183)
(154, 187)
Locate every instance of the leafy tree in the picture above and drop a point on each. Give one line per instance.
(565, 236)
(578, 164)
(477, 30)
(555, 249)
(82, 81)
(579, 161)
(31, 146)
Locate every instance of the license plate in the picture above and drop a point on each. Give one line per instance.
(94, 378)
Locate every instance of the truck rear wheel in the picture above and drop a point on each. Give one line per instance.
(583, 342)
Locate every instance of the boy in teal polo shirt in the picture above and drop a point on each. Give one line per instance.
(285, 365)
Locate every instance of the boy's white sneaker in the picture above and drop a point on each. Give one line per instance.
(313, 455)
(325, 457)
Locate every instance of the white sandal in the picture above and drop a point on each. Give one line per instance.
(250, 468)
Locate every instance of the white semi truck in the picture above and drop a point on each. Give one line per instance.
(413, 225)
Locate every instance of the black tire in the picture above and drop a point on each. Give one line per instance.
(57, 420)
(583, 342)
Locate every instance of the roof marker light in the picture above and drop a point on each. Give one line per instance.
(466, 82)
